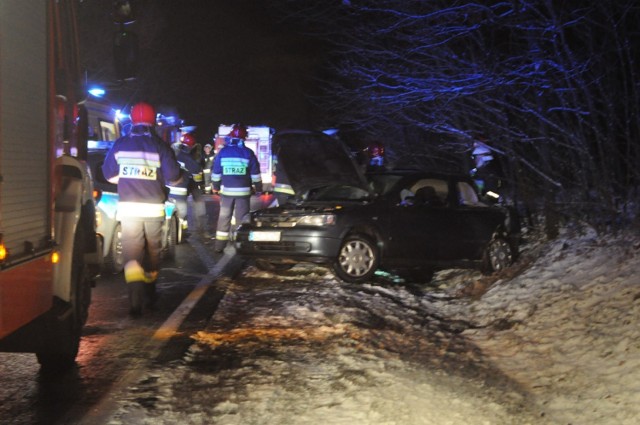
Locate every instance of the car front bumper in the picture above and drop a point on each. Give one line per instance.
(304, 244)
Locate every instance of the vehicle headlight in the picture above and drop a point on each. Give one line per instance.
(317, 220)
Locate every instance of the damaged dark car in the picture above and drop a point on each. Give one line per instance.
(407, 221)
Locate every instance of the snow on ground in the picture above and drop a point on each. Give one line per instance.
(572, 337)
(557, 343)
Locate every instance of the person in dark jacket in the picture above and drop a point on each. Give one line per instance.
(235, 169)
(207, 162)
(282, 189)
(190, 187)
(141, 164)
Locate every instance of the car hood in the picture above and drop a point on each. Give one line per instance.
(313, 159)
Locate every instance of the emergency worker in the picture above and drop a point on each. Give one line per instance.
(141, 164)
(375, 151)
(235, 169)
(190, 186)
(207, 162)
(486, 172)
(282, 188)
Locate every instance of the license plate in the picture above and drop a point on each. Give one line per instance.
(264, 236)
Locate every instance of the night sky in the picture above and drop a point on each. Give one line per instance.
(228, 62)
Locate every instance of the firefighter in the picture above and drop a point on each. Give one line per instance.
(282, 188)
(190, 187)
(141, 164)
(207, 163)
(235, 168)
(486, 173)
(375, 151)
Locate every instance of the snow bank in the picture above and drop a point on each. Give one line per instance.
(568, 329)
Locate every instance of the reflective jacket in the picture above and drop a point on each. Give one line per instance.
(235, 168)
(141, 164)
(207, 164)
(193, 175)
(282, 184)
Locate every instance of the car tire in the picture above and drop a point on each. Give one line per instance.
(64, 330)
(497, 256)
(114, 261)
(269, 266)
(172, 238)
(357, 260)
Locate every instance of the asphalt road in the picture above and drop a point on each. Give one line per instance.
(115, 347)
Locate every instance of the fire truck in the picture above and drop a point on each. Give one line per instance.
(50, 252)
(259, 141)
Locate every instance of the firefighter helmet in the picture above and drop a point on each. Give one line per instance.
(188, 140)
(238, 131)
(143, 114)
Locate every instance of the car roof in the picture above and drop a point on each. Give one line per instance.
(416, 173)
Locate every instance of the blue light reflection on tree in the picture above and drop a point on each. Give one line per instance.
(553, 85)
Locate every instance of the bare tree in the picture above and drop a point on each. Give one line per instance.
(551, 85)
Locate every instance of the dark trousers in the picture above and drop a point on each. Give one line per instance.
(142, 242)
(199, 212)
(230, 206)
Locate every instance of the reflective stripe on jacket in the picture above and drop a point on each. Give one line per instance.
(282, 183)
(140, 210)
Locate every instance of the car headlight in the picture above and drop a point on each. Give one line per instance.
(317, 220)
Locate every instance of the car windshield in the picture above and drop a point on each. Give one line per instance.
(381, 184)
(338, 193)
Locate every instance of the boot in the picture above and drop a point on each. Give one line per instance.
(219, 246)
(136, 296)
(134, 275)
(151, 294)
(134, 272)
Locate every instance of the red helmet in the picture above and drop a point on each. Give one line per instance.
(143, 113)
(188, 140)
(238, 131)
(375, 149)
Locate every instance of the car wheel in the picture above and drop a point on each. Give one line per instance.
(114, 261)
(273, 267)
(180, 234)
(497, 256)
(172, 238)
(357, 260)
(64, 330)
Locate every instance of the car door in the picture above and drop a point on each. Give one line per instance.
(418, 231)
(475, 220)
